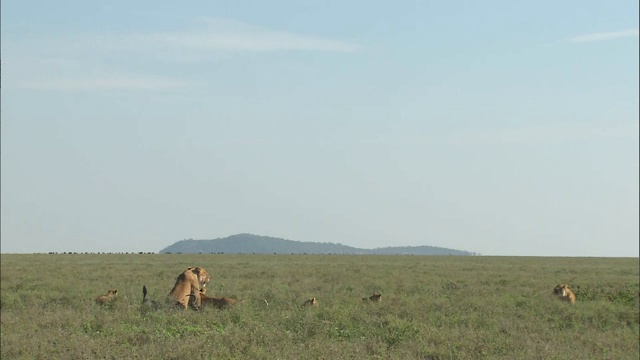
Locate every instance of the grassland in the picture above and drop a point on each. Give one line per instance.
(433, 308)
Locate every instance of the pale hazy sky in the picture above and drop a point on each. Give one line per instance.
(499, 127)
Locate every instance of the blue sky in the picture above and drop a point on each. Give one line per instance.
(499, 127)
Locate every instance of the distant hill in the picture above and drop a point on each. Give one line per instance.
(255, 244)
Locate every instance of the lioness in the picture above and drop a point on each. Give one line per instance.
(102, 299)
(565, 293)
(219, 302)
(195, 277)
(311, 302)
(375, 297)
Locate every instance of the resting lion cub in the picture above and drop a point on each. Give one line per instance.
(565, 293)
(102, 299)
(311, 302)
(375, 297)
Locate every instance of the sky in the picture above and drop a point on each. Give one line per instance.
(504, 128)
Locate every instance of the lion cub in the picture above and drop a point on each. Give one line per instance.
(375, 297)
(311, 302)
(565, 293)
(102, 299)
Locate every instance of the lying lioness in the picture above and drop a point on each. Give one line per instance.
(375, 297)
(102, 299)
(311, 302)
(193, 277)
(565, 293)
(198, 298)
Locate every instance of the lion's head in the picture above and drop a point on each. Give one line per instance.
(202, 275)
(564, 292)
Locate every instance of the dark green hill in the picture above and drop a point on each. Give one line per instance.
(255, 244)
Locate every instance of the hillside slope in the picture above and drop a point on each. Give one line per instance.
(255, 244)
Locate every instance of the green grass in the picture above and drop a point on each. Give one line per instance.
(444, 307)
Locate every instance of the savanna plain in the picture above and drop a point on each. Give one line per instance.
(433, 307)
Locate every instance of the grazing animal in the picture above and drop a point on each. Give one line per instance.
(375, 297)
(204, 300)
(565, 293)
(311, 302)
(193, 277)
(148, 302)
(103, 299)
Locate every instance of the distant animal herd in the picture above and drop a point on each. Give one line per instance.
(189, 292)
